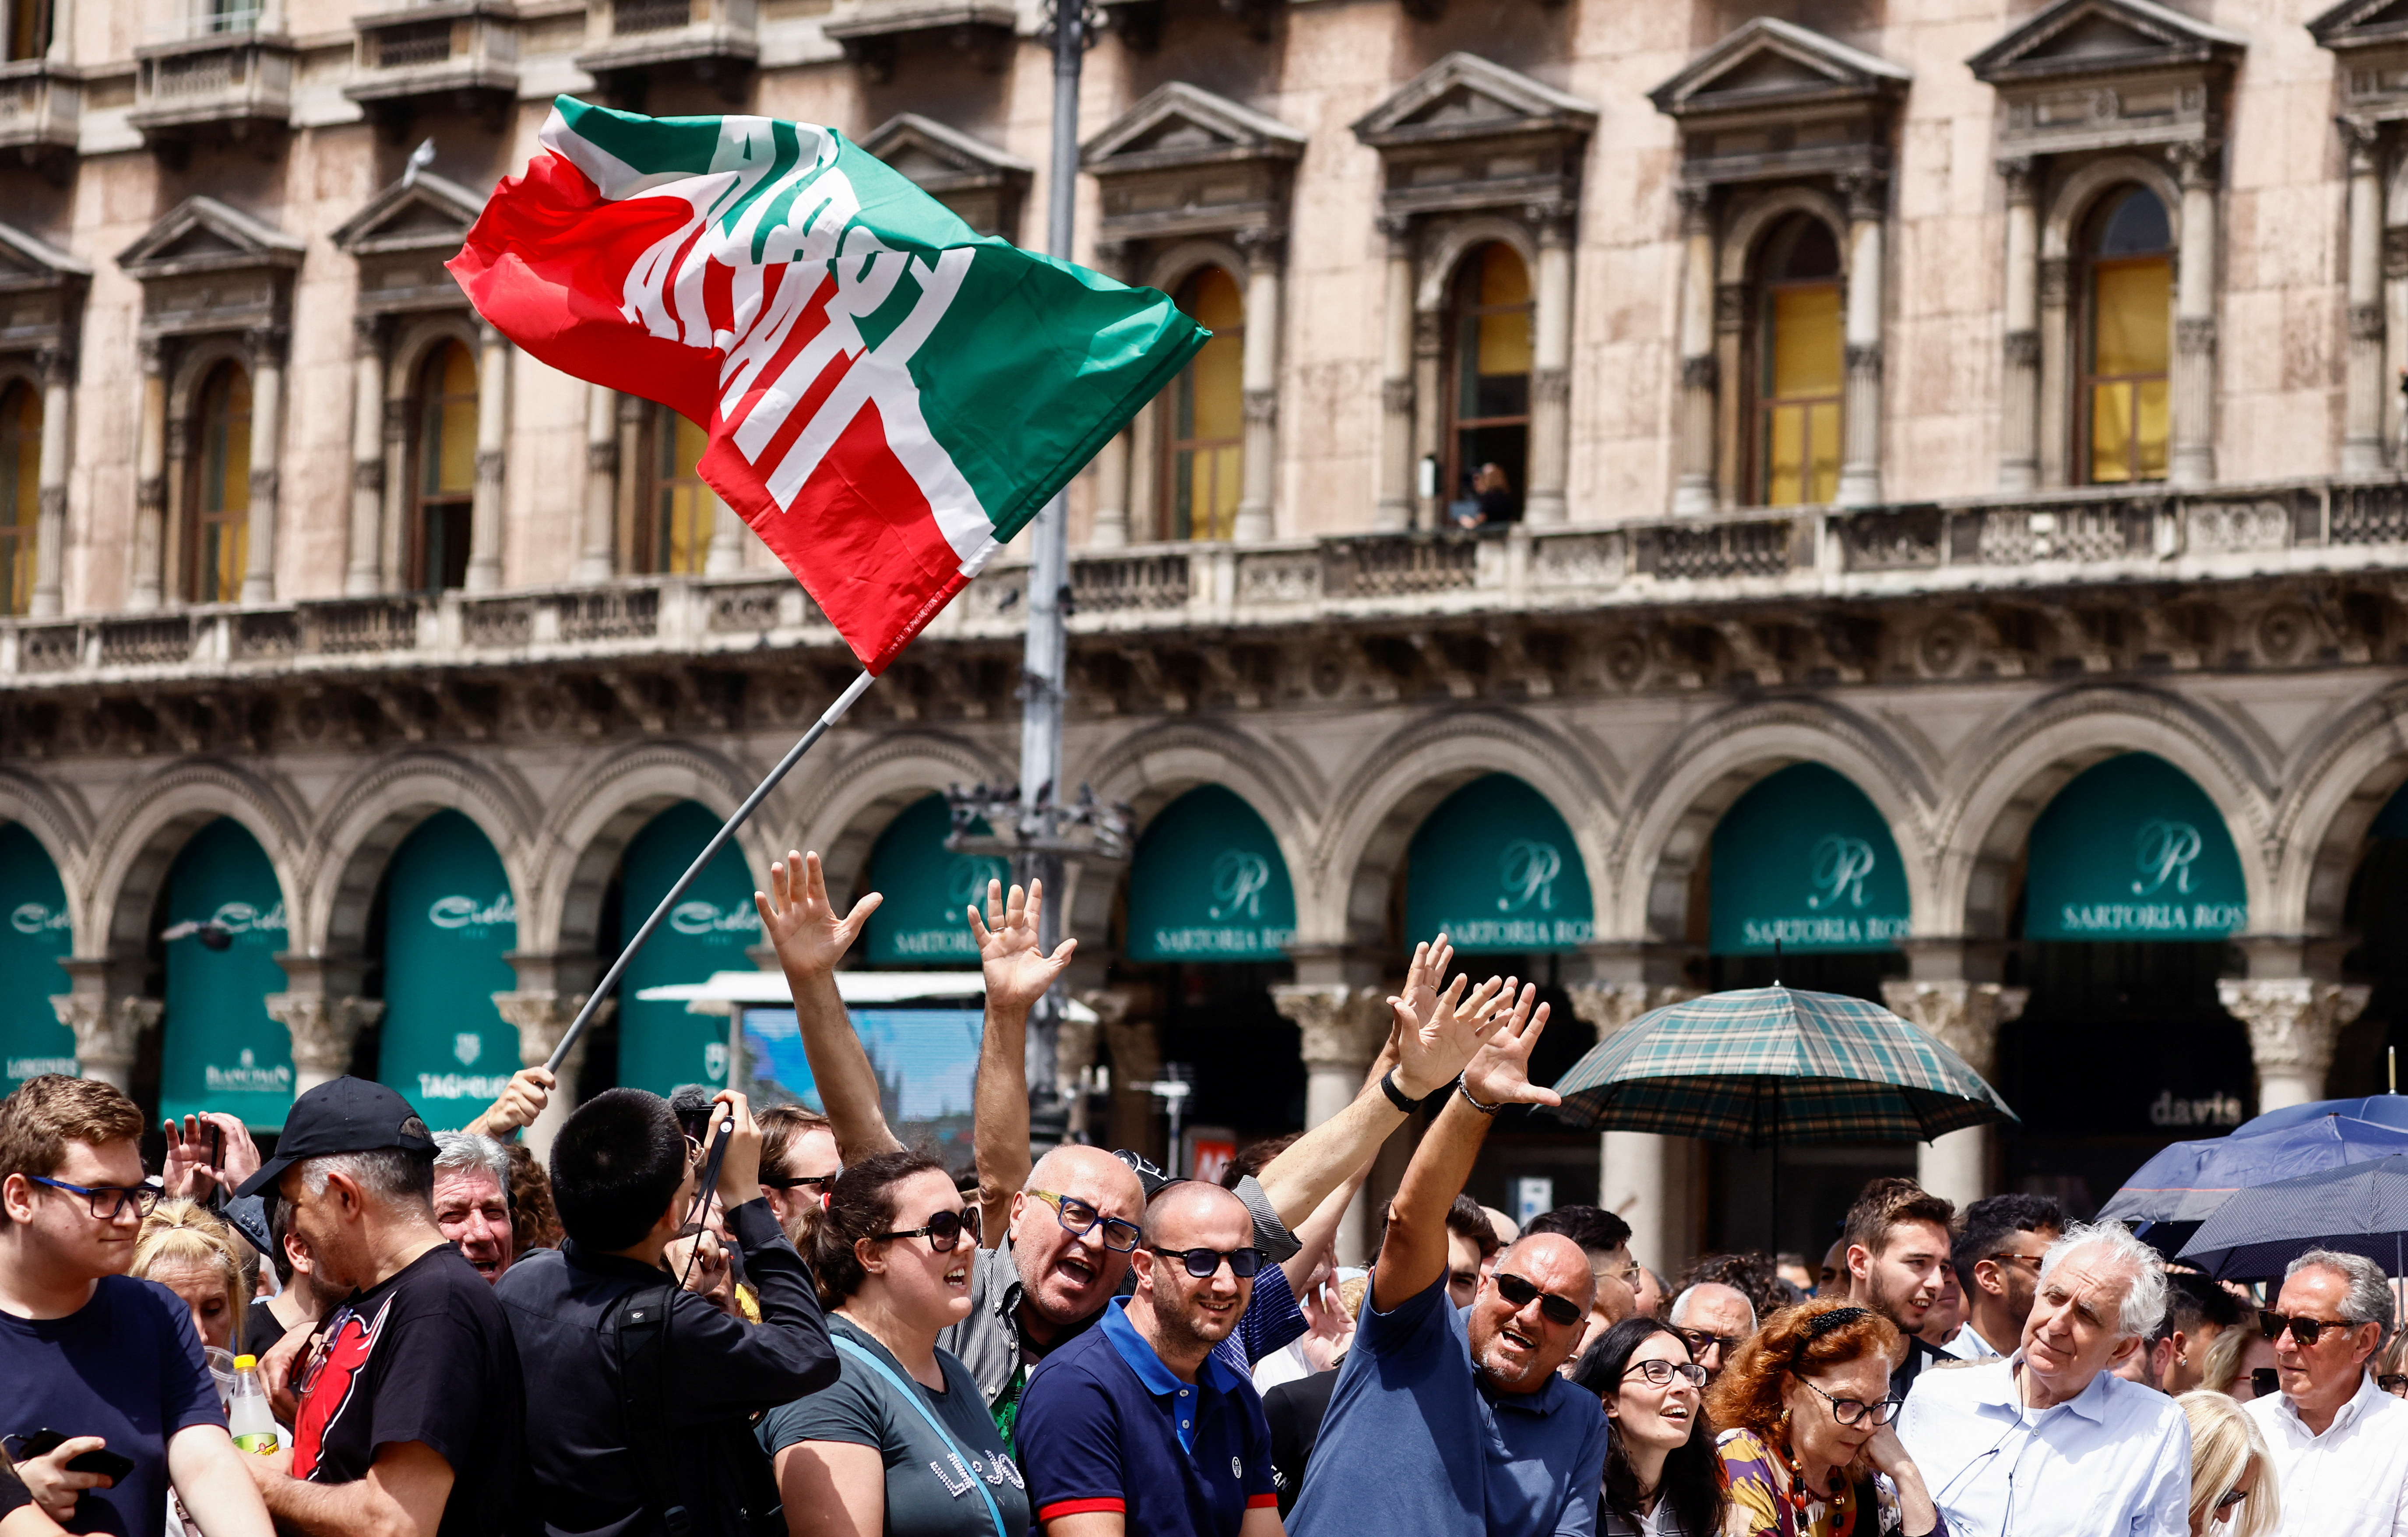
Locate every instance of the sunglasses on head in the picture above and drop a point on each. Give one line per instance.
(2265, 1382)
(2305, 1331)
(1555, 1309)
(1204, 1263)
(943, 1230)
(2229, 1498)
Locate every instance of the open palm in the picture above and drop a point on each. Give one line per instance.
(1431, 1051)
(801, 921)
(1010, 947)
(1500, 1070)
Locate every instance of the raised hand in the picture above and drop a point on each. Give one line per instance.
(199, 1162)
(523, 1098)
(1426, 974)
(801, 921)
(1500, 1070)
(1018, 970)
(1430, 1052)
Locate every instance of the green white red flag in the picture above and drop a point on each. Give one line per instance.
(889, 397)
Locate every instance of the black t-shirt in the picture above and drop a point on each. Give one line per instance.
(12, 1493)
(126, 1367)
(260, 1328)
(1295, 1411)
(424, 1357)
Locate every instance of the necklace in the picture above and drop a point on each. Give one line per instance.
(1842, 1501)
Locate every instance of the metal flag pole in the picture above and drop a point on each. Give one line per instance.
(710, 850)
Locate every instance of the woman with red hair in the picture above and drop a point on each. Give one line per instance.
(1809, 1449)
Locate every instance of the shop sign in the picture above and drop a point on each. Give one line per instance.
(2220, 1112)
(928, 889)
(1206, 884)
(662, 1045)
(450, 920)
(32, 1040)
(1804, 861)
(2134, 850)
(220, 1050)
(1495, 866)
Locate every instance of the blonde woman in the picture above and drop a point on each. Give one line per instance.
(185, 1248)
(2240, 1364)
(2233, 1491)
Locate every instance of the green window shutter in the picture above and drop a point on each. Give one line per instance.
(2134, 850)
(1804, 858)
(928, 886)
(1206, 884)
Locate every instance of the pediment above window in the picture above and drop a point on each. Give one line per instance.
(403, 237)
(983, 185)
(1467, 133)
(2109, 74)
(1186, 161)
(43, 286)
(2370, 37)
(209, 266)
(1775, 101)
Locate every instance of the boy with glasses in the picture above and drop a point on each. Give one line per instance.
(109, 1363)
(2338, 1442)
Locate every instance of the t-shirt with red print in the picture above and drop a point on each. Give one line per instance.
(424, 1357)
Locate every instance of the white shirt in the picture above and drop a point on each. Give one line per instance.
(1968, 1345)
(2352, 1481)
(2113, 1462)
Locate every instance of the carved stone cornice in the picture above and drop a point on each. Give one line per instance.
(1551, 386)
(1865, 192)
(1963, 1016)
(322, 1029)
(2022, 349)
(1864, 359)
(107, 1031)
(2195, 334)
(2016, 172)
(2366, 321)
(1701, 373)
(1396, 396)
(2292, 1021)
(1341, 1026)
(2196, 162)
(1605, 1007)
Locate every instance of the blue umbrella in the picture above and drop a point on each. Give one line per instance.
(2389, 1109)
(2359, 1207)
(2172, 1193)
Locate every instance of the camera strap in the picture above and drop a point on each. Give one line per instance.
(641, 1334)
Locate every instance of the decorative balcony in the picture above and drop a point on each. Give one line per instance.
(223, 79)
(628, 41)
(40, 103)
(873, 33)
(428, 55)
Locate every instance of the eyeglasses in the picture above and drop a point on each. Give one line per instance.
(107, 1201)
(1081, 1219)
(1555, 1309)
(2008, 1256)
(2305, 1331)
(2265, 1382)
(819, 1183)
(2393, 1383)
(1661, 1372)
(1857, 1412)
(1202, 1263)
(1699, 1342)
(943, 1230)
(2229, 1498)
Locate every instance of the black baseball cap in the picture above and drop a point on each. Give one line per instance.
(343, 1115)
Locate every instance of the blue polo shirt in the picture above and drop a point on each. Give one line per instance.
(1105, 1426)
(1414, 1442)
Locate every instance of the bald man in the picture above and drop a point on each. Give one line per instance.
(1454, 1423)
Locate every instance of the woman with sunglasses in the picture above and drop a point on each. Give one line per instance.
(2233, 1490)
(902, 1444)
(1662, 1476)
(1810, 1446)
(2240, 1364)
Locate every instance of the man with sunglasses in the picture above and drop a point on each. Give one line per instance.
(2338, 1441)
(1135, 1427)
(109, 1363)
(799, 1163)
(1454, 1423)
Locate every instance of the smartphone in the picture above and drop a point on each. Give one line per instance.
(110, 1465)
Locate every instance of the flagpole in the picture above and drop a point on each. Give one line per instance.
(693, 872)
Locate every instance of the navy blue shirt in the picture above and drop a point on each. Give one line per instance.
(1414, 1442)
(1105, 1426)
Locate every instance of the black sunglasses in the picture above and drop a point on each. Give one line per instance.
(1202, 1263)
(2265, 1382)
(1697, 1340)
(944, 1228)
(1555, 1309)
(2393, 1383)
(819, 1183)
(2229, 1498)
(2305, 1331)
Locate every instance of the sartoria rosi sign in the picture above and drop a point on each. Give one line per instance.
(1495, 866)
(1206, 884)
(2134, 850)
(1804, 860)
(927, 888)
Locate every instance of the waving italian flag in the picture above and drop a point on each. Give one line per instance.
(889, 397)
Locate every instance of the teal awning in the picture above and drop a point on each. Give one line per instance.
(449, 920)
(928, 888)
(1206, 884)
(32, 1040)
(1804, 858)
(660, 1045)
(221, 1048)
(2134, 850)
(1496, 867)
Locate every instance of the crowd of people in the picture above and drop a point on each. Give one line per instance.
(700, 1319)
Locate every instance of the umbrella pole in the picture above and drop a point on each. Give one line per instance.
(1772, 1217)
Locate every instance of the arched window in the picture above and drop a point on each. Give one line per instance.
(1488, 403)
(447, 468)
(221, 488)
(673, 528)
(29, 28)
(1800, 353)
(1206, 460)
(2127, 341)
(20, 493)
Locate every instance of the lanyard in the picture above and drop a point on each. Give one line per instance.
(912, 1397)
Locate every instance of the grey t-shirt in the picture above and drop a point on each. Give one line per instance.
(929, 1492)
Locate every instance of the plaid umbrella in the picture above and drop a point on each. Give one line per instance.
(1766, 1065)
(2358, 1208)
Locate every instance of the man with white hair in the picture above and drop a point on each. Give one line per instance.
(1711, 1319)
(2338, 1442)
(2049, 1442)
(472, 1200)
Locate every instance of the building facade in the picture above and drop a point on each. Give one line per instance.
(1901, 496)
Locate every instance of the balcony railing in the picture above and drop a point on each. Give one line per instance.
(2043, 544)
(450, 49)
(40, 106)
(710, 36)
(221, 71)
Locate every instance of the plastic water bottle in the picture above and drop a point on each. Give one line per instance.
(248, 1416)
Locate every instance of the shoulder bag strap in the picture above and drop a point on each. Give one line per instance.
(642, 1327)
(911, 1395)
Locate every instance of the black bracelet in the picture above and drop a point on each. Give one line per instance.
(1397, 1097)
(1465, 1090)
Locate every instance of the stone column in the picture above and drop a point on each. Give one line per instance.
(365, 574)
(145, 589)
(2055, 417)
(631, 509)
(595, 534)
(1397, 459)
(267, 345)
(107, 1015)
(1429, 346)
(51, 531)
(2020, 379)
(2361, 444)
(1701, 376)
(1549, 469)
(1636, 1175)
(2293, 1022)
(725, 553)
(541, 1017)
(1110, 528)
(1963, 1016)
(323, 1029)
(1343, 1029)
(1860, 410)
(493, 431)
(1265, 250)
(2192, 386)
